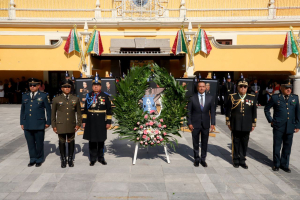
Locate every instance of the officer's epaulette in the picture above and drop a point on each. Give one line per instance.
(25, 92)
(251, 95)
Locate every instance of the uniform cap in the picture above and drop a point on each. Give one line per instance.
(96, 80)
(243, 81)
(228, 76)
(287, 83)
(67, 74)
(33, 81)
(66, 82)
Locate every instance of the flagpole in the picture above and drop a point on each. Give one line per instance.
(186, 44)
(91, 38)
(194, 45)
(82, 61)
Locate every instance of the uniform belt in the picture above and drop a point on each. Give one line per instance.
(97, 111)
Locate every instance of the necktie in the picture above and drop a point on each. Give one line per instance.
(201, 101)
(286, 97)
(32, 96)
(67, 97)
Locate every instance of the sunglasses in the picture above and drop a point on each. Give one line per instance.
(66, 86)
(32, 85)
(243, 86)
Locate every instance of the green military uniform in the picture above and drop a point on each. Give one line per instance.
(286, 118)
(241, 113)
(65, 108)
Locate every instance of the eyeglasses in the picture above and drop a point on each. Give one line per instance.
(67, 86)
(32, 85)
(243, 86)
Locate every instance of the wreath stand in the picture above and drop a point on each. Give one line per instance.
(137, 148)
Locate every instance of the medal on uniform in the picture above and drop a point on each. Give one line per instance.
(242, 100)
(93, 105)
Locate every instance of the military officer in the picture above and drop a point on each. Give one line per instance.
(227, 89)
(34, 122)
(65, 108)
(96, 120)
(241, 120)
(285, 122)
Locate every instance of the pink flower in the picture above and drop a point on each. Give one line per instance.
(151, 123)
(141, 142)
(156, 132)
(144, 136)
(138, 138)
(159, 125)
(157, 137)
(165, 133)
(161, 139)
(154, 139)
(148, 138)
(146, 117)
(161, 120)
(165, 126)
(141, 127)
(138, 123)
(145, 132)
(153, 118)
(152, 143)
(146, 143)
(158, 142)
(134, 128)
(147, 124)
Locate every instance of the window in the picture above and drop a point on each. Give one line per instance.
(225, 42)
(53, 42)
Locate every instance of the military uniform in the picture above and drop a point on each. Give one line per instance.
(227, 89)
(97, 114)
(241, 115)
(286, 118)
(64, 109)
(33, 119)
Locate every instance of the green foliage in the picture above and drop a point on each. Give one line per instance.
(128, 103)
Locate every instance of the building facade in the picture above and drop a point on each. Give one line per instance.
(246, 36)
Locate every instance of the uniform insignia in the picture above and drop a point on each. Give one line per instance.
(73, 102)
(39, 99)
(60, 103)
(255, 120)
(293, 100)
(25, 99)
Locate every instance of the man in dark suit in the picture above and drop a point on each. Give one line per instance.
(241, 116)
(201, 111)
(33, 121)
(285, 122)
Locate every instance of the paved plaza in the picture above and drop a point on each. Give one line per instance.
(152, 177)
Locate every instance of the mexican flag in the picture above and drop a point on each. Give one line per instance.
(96, 44)
(179, 43)
(72, 42)
(202, 43)
(289, 46)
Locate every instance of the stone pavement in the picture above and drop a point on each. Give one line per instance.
(151, 177)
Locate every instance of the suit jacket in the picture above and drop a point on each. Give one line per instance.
(201, 118)
(286, 115)
(64, 111)
(33, 111)
(241, 116)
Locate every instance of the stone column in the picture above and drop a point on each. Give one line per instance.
(272, 10)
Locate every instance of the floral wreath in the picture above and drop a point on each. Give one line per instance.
(145, 127)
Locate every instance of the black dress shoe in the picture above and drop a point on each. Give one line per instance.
(38, 164)
(31, 164)
(203, 163)
(275, 168)
(92, 163)
(286, 169)
(103, 162)
(245, 166)
(196, 163)
(236, 165)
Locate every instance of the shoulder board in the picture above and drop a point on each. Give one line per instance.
(106, 93)
(251, 95)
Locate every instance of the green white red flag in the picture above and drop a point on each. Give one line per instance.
(202, 43)
(179, 43)
(96, 44)
(72, 42)
(289, 46)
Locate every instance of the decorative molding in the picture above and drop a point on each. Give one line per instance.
(56, 45)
